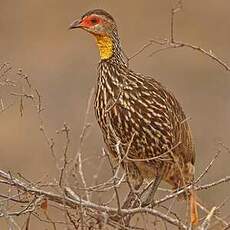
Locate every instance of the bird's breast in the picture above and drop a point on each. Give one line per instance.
(123, 116)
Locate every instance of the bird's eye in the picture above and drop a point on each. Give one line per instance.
(94, 21)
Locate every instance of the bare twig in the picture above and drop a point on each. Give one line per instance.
(114, 183)
(66, 131)
(220, 220)
(78, 158)
(207, 220)
(208, 167)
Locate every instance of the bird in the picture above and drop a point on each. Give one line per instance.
(143, 125)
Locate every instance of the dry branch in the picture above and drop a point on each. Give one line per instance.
(71, 200)
(171, 43)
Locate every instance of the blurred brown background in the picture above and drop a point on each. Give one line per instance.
(62, 65)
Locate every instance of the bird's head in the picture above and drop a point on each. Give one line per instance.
(102, 25)
(97, 22)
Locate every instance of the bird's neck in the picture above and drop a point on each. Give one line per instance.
(110, 48)
(105, 46)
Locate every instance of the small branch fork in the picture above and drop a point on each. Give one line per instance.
(171, 43)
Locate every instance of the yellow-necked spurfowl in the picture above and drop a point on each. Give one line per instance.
(141, 121)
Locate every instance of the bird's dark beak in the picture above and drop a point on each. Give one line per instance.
(75, 24)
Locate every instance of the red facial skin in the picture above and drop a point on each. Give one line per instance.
(90, 21)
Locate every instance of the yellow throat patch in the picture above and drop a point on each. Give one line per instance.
(105, 45)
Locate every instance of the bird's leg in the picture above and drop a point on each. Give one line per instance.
(149, 199)
(129, 200)
(134, 180)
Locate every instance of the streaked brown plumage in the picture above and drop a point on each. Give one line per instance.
(139, 118)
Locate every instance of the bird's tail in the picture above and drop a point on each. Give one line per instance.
(193, 208)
